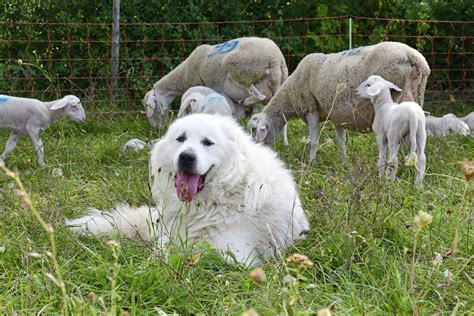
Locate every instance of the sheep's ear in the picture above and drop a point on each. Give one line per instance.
(61, 103)
(393, 86)
(374, 90)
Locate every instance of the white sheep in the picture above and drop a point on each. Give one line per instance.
(392, 122)
(445, 125)
(310, 92)
(253, 124)
(205, 100)
(31, 117)
(469, 120)
(248, 70)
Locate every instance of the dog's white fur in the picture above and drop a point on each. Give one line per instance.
(248, 206)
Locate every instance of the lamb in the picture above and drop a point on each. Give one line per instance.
(205, 100)
(469, 120)
(445, 125)
(248, 70)
(391, 123)
(31, 117)
(311, 92)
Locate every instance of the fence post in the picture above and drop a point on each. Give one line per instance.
(114, 71)
(350, 31)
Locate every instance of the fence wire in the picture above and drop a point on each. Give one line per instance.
(46, 60)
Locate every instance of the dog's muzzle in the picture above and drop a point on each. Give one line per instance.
(187, 162)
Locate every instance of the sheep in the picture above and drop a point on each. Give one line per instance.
(392, 122)
(445, 125)
(253, 124)
(469, 120)
(31, 117)
(248, 70)
(311, 92)
(205, 100)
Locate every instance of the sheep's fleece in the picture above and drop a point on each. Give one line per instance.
(240, 69)
(211, 181)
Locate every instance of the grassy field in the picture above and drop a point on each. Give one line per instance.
(361, 239)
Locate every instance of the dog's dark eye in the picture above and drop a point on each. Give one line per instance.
(207, 142)
(181, 138)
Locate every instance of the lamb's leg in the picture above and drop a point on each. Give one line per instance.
(393, 146)
(341, 142)
(421, 162)
(11, 144)
(312, 119)
(382, 146)
(34, 134)
(255, 96)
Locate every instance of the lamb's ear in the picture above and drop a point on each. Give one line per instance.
(185, 108)
(393, 86)
(374, 89)
(255, 195)
(262, 131)
(61, 103)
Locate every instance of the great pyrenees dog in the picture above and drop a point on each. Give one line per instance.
(212, 182)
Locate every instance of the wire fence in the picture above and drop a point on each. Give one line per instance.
(46, 60)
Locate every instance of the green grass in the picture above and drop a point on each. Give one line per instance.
(360, 241)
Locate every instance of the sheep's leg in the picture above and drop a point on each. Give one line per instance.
(255, 96)
(341, 142)
(285, 135)
(382, 146)
(393, 146)
(38, 143)
(11, 144)
(313, 124)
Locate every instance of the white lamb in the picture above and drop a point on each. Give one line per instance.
(248, 70)
(392, 123)
(445, 125)
(201, 99)
(31, 117)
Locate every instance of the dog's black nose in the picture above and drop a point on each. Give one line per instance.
(187, 161)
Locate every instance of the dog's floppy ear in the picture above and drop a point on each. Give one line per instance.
(255, 195)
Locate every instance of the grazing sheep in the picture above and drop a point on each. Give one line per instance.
(248, 70)
(310, 93)
(445, 125)
(205, 100)
(31, 117)
(253, 124)
(392, 123)
(469, 120)
(133, 144)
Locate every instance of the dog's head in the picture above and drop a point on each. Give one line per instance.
(195, 149)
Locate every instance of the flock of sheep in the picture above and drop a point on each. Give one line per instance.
(358, 89)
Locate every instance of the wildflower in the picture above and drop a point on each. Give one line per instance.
(20, 62)
(421, 220)
(258, 275)
(250, 312)
(289, 279)
(91, 298)
(438, 260)
(57, 173)
(301, 260)
(448, 275)
(324, 312)
(113, 243)
(468, 169)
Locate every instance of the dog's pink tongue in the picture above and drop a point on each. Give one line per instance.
(186, 186)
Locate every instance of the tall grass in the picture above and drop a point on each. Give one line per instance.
(361, 239)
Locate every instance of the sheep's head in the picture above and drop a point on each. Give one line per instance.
(71, 107)
(253, 123)
(155, 111)
(372, 87)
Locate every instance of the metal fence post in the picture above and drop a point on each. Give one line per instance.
(114, 71)
(350, 31)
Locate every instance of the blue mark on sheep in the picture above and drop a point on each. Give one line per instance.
(4, 99)
(224, 48)
(354, 51)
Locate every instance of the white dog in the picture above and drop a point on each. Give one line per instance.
(210, 180)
